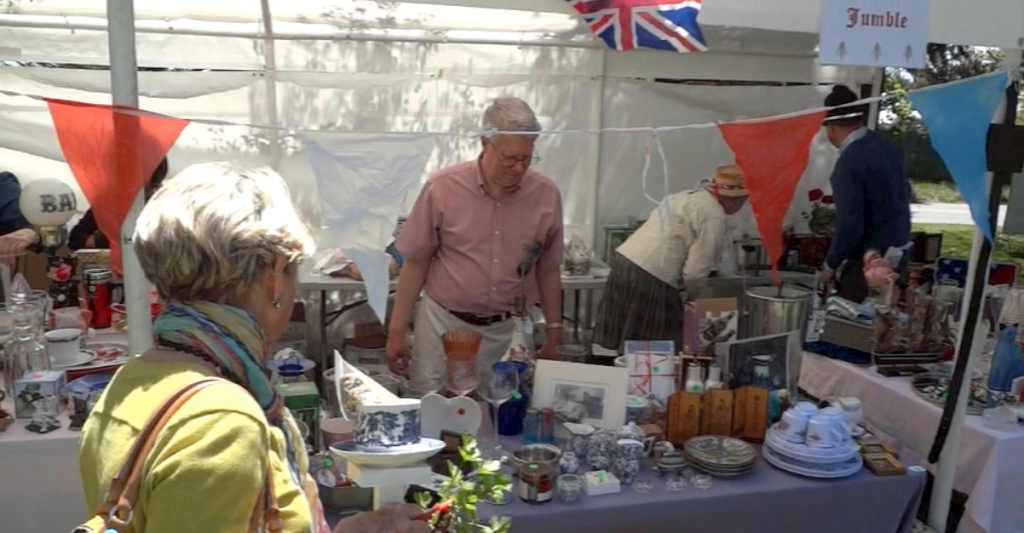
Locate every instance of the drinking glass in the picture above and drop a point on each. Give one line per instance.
(420, 387)
(6, 333)
(461, 376)
(498, 385)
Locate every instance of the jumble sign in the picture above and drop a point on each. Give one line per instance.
(874, 33)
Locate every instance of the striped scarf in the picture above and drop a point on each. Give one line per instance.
(232, 340)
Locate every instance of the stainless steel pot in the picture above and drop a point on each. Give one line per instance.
(770, 313)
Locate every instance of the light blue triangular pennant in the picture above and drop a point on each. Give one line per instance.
(957, 116)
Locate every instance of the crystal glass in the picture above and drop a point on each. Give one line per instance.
(26, 353)
(461, 376)
(572, 353)
(420, 387)
(6, 334)
(498, 385)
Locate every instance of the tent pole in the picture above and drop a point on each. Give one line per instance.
(270, 82)
(947, 444)
(124, 90)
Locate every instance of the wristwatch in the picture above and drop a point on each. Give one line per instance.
(552, 325)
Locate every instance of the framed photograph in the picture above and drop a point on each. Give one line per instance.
(783, 354)
(598, 393)
(872, 448)
(884, 465)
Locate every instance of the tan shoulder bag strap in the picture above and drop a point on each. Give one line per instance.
(117, 511)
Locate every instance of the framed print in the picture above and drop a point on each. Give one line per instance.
(599, 392)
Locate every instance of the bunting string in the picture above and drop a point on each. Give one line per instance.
(585, 131)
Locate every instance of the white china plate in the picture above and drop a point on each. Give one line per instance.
(835, 471)
(809, 454)
(388, 457)
(113, 345)
(83, 357)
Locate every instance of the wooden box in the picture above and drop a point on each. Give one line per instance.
(684, 417)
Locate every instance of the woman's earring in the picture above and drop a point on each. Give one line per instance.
(277, 303)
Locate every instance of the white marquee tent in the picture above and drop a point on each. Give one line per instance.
(428, 66)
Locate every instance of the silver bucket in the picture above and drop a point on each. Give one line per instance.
(771, 313)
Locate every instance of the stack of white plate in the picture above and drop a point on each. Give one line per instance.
(801, 459)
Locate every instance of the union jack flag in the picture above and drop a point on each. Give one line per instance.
(655, 24)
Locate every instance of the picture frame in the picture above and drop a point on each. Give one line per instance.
(884, 464)
(872, 448)
(600, 390)
(786, 351)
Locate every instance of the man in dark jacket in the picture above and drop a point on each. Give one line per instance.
(16, 234)
(871, 191)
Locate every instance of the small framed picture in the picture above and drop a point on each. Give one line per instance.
(884, 465)
(597, 393)
(872, 448)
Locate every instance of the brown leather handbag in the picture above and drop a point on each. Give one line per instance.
(115, 513)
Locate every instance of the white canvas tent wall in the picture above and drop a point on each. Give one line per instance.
(422, 66)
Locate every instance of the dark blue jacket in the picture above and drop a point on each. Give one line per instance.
(11, 218)
(872, 195)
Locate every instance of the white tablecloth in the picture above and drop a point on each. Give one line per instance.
(991, 464)
(40, 487)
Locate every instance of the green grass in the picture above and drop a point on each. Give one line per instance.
(926, 192)
(957, 239)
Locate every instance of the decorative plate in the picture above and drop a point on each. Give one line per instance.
(720, 451)
(83, 357)
(808, 454)
(388, 457)
(831, 471)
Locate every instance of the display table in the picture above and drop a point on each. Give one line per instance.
(990, 468)
(765, 500)
(583, 288)
(40, 487)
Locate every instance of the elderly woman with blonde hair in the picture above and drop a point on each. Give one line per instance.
(221, 245)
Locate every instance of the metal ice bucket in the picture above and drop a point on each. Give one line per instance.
(770, 313)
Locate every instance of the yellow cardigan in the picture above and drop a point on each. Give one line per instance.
(206, 470)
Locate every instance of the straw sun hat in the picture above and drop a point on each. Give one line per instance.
(727, 181)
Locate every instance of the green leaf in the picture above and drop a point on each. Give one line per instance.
(490, 466)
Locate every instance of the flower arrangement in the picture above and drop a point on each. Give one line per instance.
(822, 218)
(461, 494)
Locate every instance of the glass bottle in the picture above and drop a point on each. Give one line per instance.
(26, 353)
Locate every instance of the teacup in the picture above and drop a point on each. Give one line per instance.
(63, 344)
(853, 409)
(393, 424)
(807, 408)
(794, 425)
(827, 430)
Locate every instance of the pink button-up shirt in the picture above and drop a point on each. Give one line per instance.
(477, 241)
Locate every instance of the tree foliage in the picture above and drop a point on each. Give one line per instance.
(946, 63)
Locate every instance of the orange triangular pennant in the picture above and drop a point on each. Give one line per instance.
(112, 151)
(773, 155)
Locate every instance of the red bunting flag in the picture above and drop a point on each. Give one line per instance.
(112, 154)
(773, 155)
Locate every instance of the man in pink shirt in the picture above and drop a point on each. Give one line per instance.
(481, 234)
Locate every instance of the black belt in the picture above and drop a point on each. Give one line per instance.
(478, 319)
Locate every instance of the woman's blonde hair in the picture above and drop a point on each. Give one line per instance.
(213, 231)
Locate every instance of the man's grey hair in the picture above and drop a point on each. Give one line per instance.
(508, 113)
(213, 232)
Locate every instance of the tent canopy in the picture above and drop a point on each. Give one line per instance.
(429, 66)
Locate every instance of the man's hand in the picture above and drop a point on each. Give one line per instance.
(398, 354)
(15, 243)
(552, 338)
(391, 518)
(828, 276)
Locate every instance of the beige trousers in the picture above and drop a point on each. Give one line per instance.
(432, 321)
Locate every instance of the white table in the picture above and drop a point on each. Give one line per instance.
(990, 468)
(40, 484)
(324, 284)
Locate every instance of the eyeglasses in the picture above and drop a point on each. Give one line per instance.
(506, 161)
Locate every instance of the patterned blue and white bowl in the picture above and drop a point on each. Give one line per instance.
(389, 425)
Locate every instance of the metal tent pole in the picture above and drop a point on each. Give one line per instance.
(946, 448)
(124, 90)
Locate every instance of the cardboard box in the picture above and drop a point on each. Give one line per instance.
(30, 390)
(708, 322)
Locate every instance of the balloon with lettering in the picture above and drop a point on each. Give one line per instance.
(112, 151)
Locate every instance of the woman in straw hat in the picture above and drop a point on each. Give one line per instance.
(675, 250)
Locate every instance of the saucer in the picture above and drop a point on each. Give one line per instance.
(83, 357)
(388, 457)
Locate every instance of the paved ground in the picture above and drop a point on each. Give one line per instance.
(946, 214)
